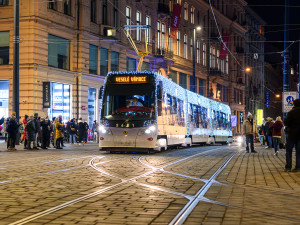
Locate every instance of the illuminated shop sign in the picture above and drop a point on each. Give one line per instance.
(130, 79)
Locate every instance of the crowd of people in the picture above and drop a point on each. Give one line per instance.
(35, 131)
(277, 134)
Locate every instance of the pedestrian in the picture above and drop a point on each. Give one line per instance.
(59, 130)
(46, 130)
(72, 131)
(249, 129)
(261, 135)
(37, 130)
(86, 133)
(12, 131)
(25, 120)
(269, 133)
(266, 126)
(30, 132)
(276, 134)
(81, 131)
(292, 123)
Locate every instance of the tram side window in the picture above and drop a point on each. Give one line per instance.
(180, 114)
(203, 117)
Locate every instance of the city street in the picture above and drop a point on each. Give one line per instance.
(198, 185)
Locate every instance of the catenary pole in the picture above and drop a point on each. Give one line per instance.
(286, 59)
(16, 88)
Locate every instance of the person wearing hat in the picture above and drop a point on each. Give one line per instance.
(292, 123)
(249, 130)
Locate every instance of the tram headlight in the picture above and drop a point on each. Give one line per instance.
(104, 130)
(150, 129)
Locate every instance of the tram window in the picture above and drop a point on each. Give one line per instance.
(181, 120)
(159, 99)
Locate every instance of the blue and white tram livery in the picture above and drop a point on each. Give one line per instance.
(147, 111)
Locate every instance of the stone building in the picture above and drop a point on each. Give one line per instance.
(71, 45)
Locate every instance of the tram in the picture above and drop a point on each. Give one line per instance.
(147, 111)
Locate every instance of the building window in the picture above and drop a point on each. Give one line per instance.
(114, 61)
(4, 96)
(218, 59)
(192, 15)
(170, 40)
(222, 65)
(58, 52)
(191, 48)
(171, 2)
(198, 18)
(138, 22)
(158, 35)
(60, 101)
(202, 86)
(148, 31)
(178, 43)
(128, 13)
(225, 94)
(104, 12)
(131, 64)
(185, 46)
(103, 61)
(214, 58)
(219, 92)
(4, 48)
(53, 4)
(92, 106)
(183, 80)
(226, 64)
(93, 11)
(67, 7)
(173, 76)
(210, 57)
(198, 52)
(93, 59)
(204, 54)
(4, 2)
(145, 66)
(163, 33)
(115, 13)
(186, 11)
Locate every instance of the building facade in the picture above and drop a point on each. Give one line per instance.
(254, 58)
(71, 45)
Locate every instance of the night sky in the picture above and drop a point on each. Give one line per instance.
(272, 11)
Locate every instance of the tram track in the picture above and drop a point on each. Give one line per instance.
(122, 182)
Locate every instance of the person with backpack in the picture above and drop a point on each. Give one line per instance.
(72, 128)
(276, 134)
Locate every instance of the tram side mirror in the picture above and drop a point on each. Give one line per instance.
(100, 92)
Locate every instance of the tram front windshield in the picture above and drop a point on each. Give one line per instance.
(128, 105)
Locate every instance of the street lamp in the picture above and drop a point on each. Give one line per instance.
(247, 69)
(194, 57)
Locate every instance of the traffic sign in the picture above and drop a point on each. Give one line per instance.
(287, 99)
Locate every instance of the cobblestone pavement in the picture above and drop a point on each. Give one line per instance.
(199, 185)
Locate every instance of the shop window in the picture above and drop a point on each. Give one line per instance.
(114, 60)
(131, 64)
(92, 106)
(4, 94)
(103, 61)
(93, 59)
(67, 7)
(60, 101)
(58, 52)
(183, 80)
(4, 48)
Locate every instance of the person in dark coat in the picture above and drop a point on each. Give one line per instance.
(86, 133)
(81, 130)
(46, 130)
(12, 130)
(37, 130)
(72, 128)
(292, 123)
(30, 128)
(276, 134)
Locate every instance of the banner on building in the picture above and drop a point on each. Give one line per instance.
(241, 117)
(46, 95)
(260, 117)
(223, 51)
(267, 99)
(175, 20)
(233, 120)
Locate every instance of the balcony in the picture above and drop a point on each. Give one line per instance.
(163, 9)
(164, 53)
